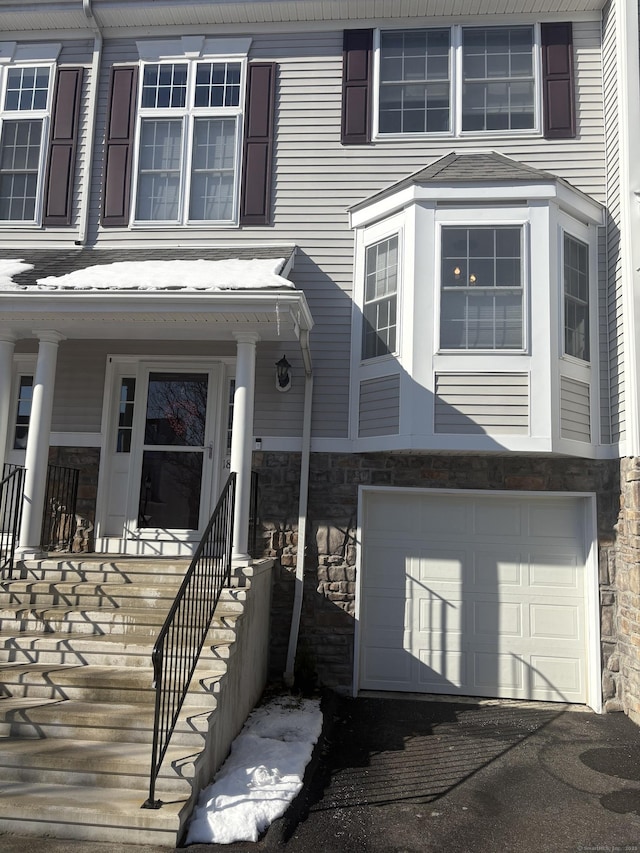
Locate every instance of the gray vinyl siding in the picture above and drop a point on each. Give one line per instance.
(80, 377)
(491, 403)
(575, 411)
(613, 367)
(316, 180)
(379, 409)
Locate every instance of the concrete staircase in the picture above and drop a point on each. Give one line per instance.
(77, 704)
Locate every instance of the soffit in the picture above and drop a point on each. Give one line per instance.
(117, 14)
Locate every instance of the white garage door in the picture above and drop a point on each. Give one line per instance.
(475, 594)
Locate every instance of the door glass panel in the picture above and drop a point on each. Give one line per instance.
(170, 489)
(176, 409)
(174, 438)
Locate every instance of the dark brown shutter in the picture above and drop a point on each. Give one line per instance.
(557, 81)
(61, 160)
(255, 197)
(118, 154)
(356, 86)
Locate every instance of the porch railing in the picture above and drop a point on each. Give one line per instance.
(60, 499)
(253, 516)
(11, 492)
(182, 636)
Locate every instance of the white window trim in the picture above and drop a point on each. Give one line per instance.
(455, 86)
(494, 218)
(391, 229)
(188, 115)
(583, 234)
(26, 115)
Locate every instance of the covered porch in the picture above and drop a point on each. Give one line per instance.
(150, 367)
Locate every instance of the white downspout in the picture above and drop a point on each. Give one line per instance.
(302, 510)
(83, 222)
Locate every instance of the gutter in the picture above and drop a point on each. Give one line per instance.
(83, 224)
(302, 510)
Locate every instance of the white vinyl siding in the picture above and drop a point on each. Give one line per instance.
(316, 180)
(575, 410)
(379, 406)
(468, 403)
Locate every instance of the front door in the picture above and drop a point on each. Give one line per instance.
(161, 458)
(175, 444)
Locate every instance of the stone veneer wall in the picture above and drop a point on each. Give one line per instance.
(626, 660)
(327, 626)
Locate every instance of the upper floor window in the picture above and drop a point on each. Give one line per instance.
(481, 302)
(189, 142)
(457, 80)
(576, 298)
(25, 116)
(380, 299)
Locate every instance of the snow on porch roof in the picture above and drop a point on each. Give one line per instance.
(190, 270)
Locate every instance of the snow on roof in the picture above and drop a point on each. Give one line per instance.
(172, 275)
(10, 267)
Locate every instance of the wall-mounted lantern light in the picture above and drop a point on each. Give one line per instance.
(283, 374)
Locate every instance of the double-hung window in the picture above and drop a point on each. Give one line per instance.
(457, 80)
(379, 330)
(189, 142)
(576, 298)
(481, 280)
(25, 113)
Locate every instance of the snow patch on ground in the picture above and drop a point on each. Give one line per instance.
(262, 774)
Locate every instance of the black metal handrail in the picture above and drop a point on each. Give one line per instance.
(253, 516)
(11, 493)
(179, 643)
(60, 499)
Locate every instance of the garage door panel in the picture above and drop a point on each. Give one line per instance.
(383, 666)
(503, 568)
(438, 565)
(441, 673)
(556, 573)
(491, 670)
(556, 675)
(555, 621)
(498, 517)
(494, 589)
(554, 518)
(496, 619)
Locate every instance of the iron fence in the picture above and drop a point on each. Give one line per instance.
(59, 518)
(11, 492)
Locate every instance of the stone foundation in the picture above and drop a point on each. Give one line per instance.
(327, 624)
(624, 662)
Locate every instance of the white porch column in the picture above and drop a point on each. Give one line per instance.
(37, 452)
(7, 346)
(242, 442)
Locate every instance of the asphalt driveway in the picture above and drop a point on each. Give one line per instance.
(408, 775)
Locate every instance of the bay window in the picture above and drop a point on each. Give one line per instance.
(481, 280)
(380, 299)
(576, 298)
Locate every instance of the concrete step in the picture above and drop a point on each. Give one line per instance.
(65, 718)
(101, 649)
(80, 812)
(100, 568)
(66, 619)
(88, 594)
(129, 685)
(93, 763)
